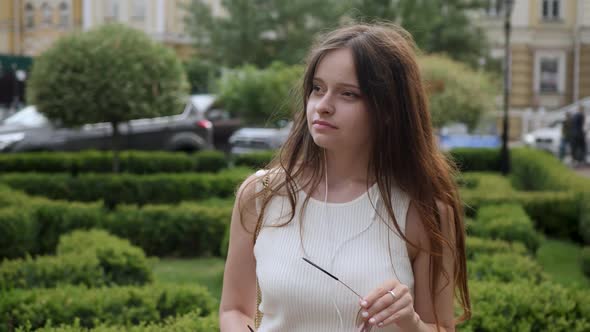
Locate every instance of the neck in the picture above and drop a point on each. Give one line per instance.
(347, 167)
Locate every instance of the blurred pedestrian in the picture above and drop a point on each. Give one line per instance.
(579, 148)
(566, 135)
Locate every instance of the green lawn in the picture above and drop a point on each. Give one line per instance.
(561, 260)
(204, 271)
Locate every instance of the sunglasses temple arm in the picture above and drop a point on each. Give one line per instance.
(345, 285)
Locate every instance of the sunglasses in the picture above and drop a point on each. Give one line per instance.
(359, 322)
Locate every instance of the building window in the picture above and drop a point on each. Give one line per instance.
(138, 9)
(29, 16)
(551, 10)
(64, 14)
(112, 10)
(550, 72)
(549, 75)
(495, 8)
(47, 14)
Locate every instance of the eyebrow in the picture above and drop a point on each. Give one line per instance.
(344, 84)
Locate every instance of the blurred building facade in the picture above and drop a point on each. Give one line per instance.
(28, 27)
(550, 56)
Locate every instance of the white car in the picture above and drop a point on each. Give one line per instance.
(549, 138)
(248, 140)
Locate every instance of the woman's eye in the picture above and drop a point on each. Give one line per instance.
(350, 94)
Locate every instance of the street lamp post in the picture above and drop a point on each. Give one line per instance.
(505, 153)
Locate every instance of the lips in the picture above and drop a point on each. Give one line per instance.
(324, 124)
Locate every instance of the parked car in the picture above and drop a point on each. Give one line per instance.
(248, 140)
(224, 124)
(29, 130)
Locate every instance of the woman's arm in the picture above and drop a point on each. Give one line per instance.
(421, 265)
(238, 299)
(392, 302)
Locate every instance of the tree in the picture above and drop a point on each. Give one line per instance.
(112, 74)
(438, 26)
(456, 92)
(259, 32)
(201, 74)
(258, 95)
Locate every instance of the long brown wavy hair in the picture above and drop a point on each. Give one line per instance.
(404, 150)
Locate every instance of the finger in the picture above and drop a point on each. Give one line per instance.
(393, 319)
(378, 292)
(400, 306)
(387, 299)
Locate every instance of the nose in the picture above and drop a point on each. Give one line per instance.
(325, 105)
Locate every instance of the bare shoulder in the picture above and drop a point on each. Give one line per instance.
(416, 230)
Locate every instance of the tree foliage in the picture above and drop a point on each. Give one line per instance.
(258, 95)
(259, 32)
(111, 74)
(438, 26)
(456, 92)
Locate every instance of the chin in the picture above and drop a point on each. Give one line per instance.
(324, 142)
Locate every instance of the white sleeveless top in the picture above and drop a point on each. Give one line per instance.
(349, 240)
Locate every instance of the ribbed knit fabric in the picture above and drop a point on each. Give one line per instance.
(348, 240)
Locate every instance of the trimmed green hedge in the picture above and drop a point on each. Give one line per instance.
(553, 212)
(536, 170)
(92, 258)
(254, 160)
(476, 159)
(187, 229)
(508, 222)
(191, 322)
(522, 307)
(479, 246)
(129, 188)
(505, 267)
(137, 162)
(94, 306)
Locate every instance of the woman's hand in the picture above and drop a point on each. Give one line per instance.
(391, 303)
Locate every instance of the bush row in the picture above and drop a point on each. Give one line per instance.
(148, 162)
(128, 188)
(138, 162)
(191, 322)
(93, 306)
(476, 159)
(534, 170)
(477, 246)
(523, 307)
(506, 268)
(187, 229)
(508, 222)
(91, 258)
(553, 212)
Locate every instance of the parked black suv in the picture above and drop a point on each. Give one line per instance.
(29, 130)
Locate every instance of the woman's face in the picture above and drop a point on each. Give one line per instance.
(337, 112)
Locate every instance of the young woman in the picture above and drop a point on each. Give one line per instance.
(361, 190)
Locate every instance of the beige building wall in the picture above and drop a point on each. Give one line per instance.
(7, 27)
(585, 71)
(568, 11)
(522, 74)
